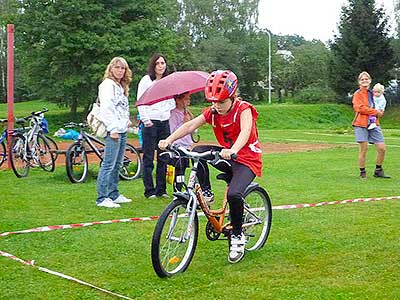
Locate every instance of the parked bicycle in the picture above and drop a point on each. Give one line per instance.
(76, 159)
(30, 147)
(175, 235)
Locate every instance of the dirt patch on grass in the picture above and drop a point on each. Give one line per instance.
(294, 147)
(266, 147)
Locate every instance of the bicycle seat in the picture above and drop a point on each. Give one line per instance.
(20, 120)
(225, 177)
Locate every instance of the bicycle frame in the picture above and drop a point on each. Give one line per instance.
(91, 140)
(195, 196)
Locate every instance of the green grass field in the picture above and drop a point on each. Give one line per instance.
(348, 251)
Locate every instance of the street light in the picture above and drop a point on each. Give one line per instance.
(269, 66)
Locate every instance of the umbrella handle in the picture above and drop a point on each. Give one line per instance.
(195, 137)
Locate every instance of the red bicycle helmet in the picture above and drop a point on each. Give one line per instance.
(220, 85)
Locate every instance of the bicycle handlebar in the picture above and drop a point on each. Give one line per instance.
(38, 113)
(73, 124)
(33, 114)
(215, 154)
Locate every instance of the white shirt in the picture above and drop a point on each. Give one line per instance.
(380, 102)
(160, 111)
(114, 106)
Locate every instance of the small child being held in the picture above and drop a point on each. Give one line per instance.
(379, 101)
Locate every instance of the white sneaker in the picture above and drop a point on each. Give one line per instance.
(122, 199)
(236, 250)
(108, 203)
(372, 126)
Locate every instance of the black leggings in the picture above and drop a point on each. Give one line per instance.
(241, 175)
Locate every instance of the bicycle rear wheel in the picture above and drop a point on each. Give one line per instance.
(257, 217)
(53, 146)
(3, 152)
(19, 162)
(76, 162)
(131, 165)
(45, 156)
(170, 253)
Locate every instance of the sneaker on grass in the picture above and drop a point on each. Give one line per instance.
(122, 199)
(236, 249)
(107, 202)
(380, 173)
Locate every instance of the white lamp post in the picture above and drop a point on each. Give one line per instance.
(269, 66)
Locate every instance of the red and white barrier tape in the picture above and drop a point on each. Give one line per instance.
(290, 206)
(70, 226)
(32, 264)
(279, 207)
(78, 225)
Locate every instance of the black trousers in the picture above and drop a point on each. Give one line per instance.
(151, 136)
(241, 177)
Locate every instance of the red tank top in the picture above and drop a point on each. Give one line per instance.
(227, 128)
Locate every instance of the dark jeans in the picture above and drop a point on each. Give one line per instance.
(241, 177)
(151, 136)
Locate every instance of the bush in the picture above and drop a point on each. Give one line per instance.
(316, 93)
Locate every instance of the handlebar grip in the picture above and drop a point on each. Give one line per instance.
(234, 156)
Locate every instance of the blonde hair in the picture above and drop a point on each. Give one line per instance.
(379, 88)
(364, 73)
(126, 80)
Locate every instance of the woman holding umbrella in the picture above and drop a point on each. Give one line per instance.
(156, 127)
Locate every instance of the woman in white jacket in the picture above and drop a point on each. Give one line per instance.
(155, 118)
(114, 112)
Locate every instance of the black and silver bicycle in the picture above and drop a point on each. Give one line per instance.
(30, 147)
(76, 158)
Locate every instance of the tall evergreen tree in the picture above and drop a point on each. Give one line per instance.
(363, 44)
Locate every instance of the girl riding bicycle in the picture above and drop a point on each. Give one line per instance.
(234, 125)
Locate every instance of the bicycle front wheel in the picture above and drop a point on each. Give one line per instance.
(3, 153)
(173, 246)
(257, 217)
(76, 163)
(19, 161)
(45, 156)
(131, 165)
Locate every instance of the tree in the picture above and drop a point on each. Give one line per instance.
(8, 10)
(363, 44)
(65, 45)
(223, 35)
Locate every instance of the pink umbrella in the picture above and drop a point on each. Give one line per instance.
(174, 84)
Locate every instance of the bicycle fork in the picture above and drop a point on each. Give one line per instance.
(191, 211)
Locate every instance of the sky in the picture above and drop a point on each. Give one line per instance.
(312, 19)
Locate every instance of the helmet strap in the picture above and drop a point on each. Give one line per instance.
(233, 100)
